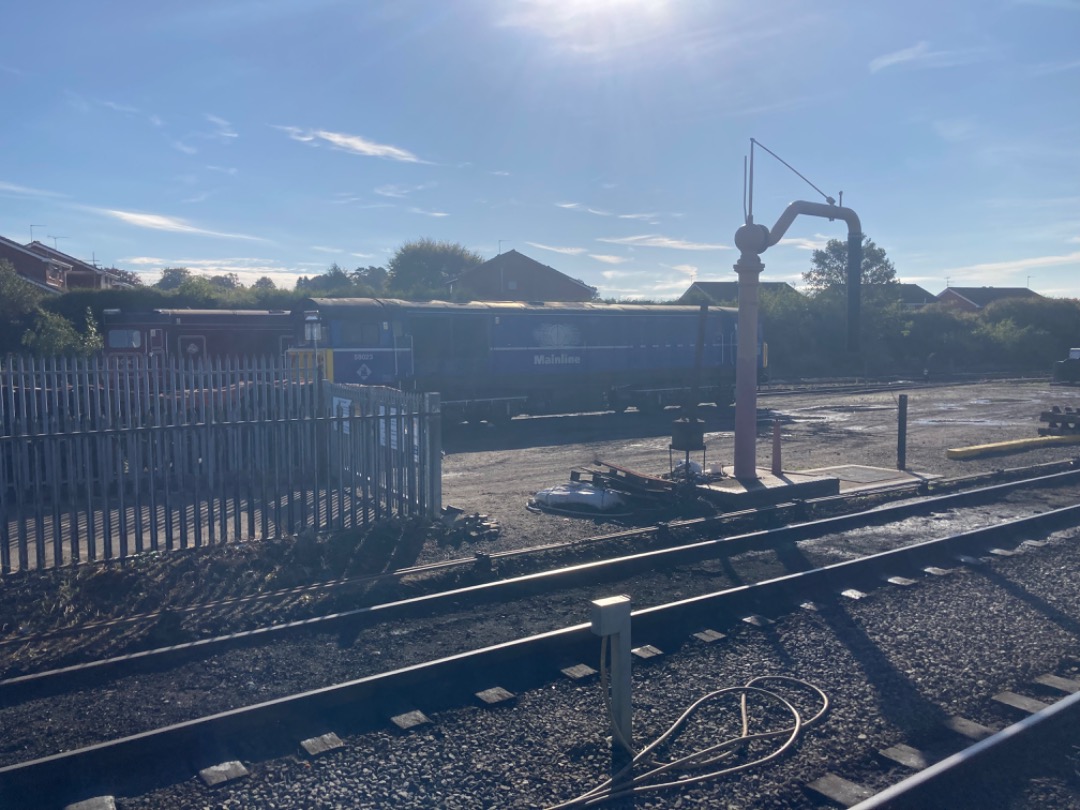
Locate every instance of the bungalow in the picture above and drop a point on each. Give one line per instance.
(512, 276)
(726, 293)
(972, 299)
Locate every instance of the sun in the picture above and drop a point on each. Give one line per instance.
(589, 26)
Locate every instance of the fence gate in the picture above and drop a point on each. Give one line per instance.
(103, 459)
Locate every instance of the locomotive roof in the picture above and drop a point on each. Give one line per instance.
(125, 316)
(343, 306)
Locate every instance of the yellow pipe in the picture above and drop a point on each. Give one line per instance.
(1011, 446)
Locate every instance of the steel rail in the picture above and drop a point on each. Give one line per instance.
(50, 681)
(274, 727)
(702, 523)
(981, 769)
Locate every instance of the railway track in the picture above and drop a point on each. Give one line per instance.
(130, 631)
(669, 555)
(443, 682)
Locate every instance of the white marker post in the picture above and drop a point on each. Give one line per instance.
(610, 618)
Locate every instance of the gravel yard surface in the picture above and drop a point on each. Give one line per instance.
(894, 664)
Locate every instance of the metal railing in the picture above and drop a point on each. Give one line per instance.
(106, 458)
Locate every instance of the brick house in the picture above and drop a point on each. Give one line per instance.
(726, 293)
(81, 275)
(512, 276)
(44, 272)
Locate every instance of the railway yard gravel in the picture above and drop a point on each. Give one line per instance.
(894, 664)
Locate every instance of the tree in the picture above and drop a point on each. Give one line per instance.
(373, 277)
(129, 276)
(226, 281)
(53, 335)
(334, 282)
(19, 303)
(426, 266)
(829, 266)
(264, 283)
(172, 278)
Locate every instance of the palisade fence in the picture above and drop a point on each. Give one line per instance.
(108, 458)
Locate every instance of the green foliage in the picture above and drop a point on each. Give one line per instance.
(334, 283)
(424, 267)
(19, 302)
(829, 266)
(172, 278)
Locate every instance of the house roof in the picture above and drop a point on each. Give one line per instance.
(12, 245)
(722, 291)
(981, 296)
(76, 264)
(519, 261)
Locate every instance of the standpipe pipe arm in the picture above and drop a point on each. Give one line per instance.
(854, 252)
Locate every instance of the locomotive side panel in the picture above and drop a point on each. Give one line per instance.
(500, 359)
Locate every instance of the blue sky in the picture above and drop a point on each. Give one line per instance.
(602, 137)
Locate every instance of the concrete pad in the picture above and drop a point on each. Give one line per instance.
(709, 636)
(494, 696)
(96, 803)
(1067, 685)
(907, 756)
(646, 652)
(839, 790)
(862, 478)
(733, 494)
(410, 720)
(578, 672)
(968, 728)
(225, 772)
(321, 745)
(1021, 702)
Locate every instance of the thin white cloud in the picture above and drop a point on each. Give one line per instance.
(687, 269)
(363, 255)
(500, 173)
(954, 130)
(26, 191)
(608, 259)
(639, 216)
(817, 243)
(1050, 68)
(655, 240)
(187, 149)
(223, 129)
(322, 249)
(427, 213)
(123, 108)
(400, 191)
(354, 144)
(159, 222)
(920, 56)
(1015, 265)
(229, 170)
(568, 205)
(568, 251)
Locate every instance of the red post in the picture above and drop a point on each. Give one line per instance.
(777, 467)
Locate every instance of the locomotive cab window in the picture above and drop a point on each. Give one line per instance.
(124, 339)
(360, 334)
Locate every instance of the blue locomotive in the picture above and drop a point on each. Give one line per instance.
(491, 361)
